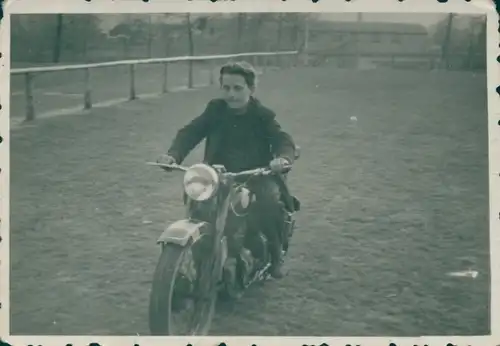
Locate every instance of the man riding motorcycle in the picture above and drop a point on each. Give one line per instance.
(243, 134)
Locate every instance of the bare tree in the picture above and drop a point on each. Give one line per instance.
(447, 41)
(294, 31)
(278, 38)
(191, 49)
(256, 21)
(166, 37)
(472, 39)
(58, 38)
(257, 24)
(303, 46)
(241, 19)
(86, 39)
(150, 37)
(477, 29)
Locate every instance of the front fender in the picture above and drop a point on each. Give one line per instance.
(180, 232)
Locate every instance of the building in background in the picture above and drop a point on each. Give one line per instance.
(368, 44)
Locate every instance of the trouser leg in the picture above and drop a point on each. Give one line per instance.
(267, 213)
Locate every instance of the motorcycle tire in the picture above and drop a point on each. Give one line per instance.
(161, 303)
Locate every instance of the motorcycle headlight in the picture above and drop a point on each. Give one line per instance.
(201, 182)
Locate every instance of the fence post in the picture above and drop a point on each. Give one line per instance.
(190, 74)
(87, 98)
(132, 82)
(30, 107)
(212, 72)
(165, 79)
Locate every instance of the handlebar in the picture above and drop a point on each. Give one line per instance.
(254, 172)
(172, 166)
(251, 172)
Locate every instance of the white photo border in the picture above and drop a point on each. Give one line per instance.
(486, 7)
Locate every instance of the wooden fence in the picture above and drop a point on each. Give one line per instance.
(30, 73)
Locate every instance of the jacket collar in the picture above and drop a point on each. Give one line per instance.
(252, 108)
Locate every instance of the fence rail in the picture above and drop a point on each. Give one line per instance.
(30, 72)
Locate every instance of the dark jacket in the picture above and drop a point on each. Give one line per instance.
(269, 140)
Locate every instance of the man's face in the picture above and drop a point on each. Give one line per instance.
(235, 90)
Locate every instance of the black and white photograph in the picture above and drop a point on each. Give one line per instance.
(249, 174)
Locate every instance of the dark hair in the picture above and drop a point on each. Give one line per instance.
(241, 68)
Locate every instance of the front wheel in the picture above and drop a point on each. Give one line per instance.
(182, 299)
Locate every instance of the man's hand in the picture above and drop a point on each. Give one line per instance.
(166, 159)
(278, 165)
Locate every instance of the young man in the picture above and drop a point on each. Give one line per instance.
(242, 134)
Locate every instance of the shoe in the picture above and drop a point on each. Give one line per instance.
(276, 270)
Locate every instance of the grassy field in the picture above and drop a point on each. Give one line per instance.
(392, 202)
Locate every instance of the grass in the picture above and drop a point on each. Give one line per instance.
(391, 204)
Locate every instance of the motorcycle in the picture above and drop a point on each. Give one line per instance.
(194, 267)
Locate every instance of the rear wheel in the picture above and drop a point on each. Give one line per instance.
(182, 299)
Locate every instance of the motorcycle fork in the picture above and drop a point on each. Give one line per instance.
(219, 245)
